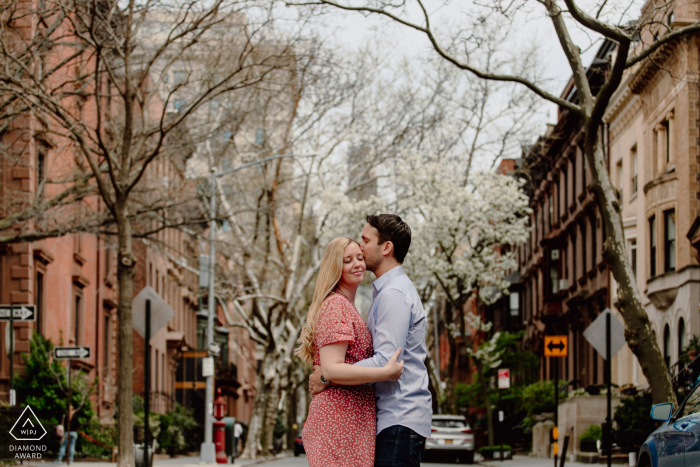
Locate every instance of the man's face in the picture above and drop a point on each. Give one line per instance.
(371, 247)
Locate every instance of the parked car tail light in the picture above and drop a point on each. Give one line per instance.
(433, 430)
(468, 431)
(298, 440)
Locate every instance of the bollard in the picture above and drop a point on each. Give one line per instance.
(632, 459)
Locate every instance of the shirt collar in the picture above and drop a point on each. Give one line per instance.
(386, 277)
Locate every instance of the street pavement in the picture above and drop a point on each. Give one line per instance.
(291, 461)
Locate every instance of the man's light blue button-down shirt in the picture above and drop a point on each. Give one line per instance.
(397, 319)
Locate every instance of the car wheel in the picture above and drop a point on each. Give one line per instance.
(644, 461)
(467, 457)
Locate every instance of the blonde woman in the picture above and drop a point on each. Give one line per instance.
(340, 429)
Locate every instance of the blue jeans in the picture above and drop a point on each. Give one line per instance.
(73, 435)
(398, 446)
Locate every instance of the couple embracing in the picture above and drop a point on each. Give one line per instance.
(352, 422)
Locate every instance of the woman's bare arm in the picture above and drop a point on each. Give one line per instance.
(334, 368)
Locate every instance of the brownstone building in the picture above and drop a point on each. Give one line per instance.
(565, 282)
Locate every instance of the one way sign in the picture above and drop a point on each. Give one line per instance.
(64, 353)
(555, 346)
(21, 312)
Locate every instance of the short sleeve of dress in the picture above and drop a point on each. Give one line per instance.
(334, 323)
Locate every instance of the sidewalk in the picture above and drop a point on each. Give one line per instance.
(172, 462)
(525, 461)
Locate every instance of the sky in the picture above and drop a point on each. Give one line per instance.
(351, 29)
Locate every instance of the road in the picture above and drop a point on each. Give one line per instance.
(519, 461)
(302, 462)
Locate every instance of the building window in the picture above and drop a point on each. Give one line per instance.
(178, 104)
(40, 167)
(681, 336)
(39, 302)
(633, 256)
(669, 241)
(551, 210)
(260, 136)
(594, 240)
(633, 171)
(554, 271)
(77, 318)
(620, 183)
(584, 244)
(667, 346)
(179, 77)
(514, 303)
(573, 181)
(667, 141)
(574, 255)
(106, 349)
(652, 246)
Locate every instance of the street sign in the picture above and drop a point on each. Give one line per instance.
(595, 334)
(207, 367)
(556, 346)
(503, 378)
(22, 313)
(161, 312)
(214, 349)
(64, 353)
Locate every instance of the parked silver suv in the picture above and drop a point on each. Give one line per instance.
(452, 435)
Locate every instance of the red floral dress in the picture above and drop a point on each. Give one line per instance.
(340, 429)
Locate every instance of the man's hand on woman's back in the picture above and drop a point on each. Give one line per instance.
(315, 384)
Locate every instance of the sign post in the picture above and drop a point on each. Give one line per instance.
(12, 353)
(69, 353)
(503, 383)
(147, 383)
(12, 313)
(554, 348)
(607, 335)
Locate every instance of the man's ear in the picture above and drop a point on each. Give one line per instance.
(388, 249)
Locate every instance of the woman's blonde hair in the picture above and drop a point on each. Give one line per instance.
(329, 274)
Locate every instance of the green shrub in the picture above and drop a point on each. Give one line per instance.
(592, 433)
(633, 421)
(106, 435)
(485, 449)
(174, 426)
(43, 388)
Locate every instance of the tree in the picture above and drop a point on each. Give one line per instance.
(99, 77)
(635, 42)
(463, 242)
(44, 387)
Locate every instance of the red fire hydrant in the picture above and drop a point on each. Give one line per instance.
(220, 429)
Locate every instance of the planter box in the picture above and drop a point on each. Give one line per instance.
(589, 446)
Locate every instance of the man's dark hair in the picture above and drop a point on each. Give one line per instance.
(392, 229)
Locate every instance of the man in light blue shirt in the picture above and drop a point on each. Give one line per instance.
(396, 320)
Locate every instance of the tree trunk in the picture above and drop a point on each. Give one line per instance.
(486, 391)
(125, 275)
(639, 333)
(253, 446)
(434, 377)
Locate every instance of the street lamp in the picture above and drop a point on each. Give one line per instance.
(208, 450)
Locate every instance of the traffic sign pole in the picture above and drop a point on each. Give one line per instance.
(12, 349)
(608, 365)
(147, 383)
(552, 360)
(67, 432)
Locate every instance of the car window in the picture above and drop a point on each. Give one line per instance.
(692, 405)
(448, 423)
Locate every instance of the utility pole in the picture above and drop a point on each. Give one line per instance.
(208, 450)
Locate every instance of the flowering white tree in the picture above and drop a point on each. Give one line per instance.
(464, 239)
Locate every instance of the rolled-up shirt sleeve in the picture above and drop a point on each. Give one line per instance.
(392, 319)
